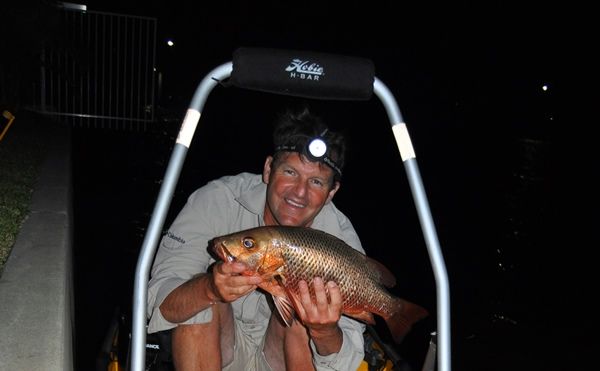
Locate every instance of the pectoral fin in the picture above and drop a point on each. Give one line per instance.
(282, 301)
(285, 309)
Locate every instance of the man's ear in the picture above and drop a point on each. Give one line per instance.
(332, 192)
(267, 169)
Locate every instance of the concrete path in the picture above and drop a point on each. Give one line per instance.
(36, 295)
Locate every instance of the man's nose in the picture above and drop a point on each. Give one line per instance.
(300, 188)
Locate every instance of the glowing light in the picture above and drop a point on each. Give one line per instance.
(170, 42)
(545, 87)
(317, 147)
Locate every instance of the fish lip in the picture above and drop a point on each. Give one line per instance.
(225, 254)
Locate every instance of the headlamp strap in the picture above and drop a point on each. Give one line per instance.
(306, 151)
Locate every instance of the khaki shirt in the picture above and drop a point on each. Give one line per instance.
(223, 206)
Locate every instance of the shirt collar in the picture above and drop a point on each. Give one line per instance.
(254, 199)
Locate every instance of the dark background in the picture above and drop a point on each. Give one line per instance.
(508, 168)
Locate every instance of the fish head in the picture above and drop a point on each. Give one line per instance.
(256, 248)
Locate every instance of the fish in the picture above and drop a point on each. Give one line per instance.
(285, 255)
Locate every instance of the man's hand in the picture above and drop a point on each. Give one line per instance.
(322, 315)
(227, 283)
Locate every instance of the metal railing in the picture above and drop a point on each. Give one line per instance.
(100, 73)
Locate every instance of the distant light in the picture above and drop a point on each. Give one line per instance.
(170, 42)
(72, 6)
(545, 87)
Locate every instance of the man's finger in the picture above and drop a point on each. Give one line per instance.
(232, 268)
(320, 294)
(335, 294)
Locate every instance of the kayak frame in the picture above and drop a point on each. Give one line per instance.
(188, 127)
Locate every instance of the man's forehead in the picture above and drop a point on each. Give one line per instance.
(301, 163)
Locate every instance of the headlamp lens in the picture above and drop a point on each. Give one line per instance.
(317, 147)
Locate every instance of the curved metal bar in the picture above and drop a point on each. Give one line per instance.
(418, 191)
(153, 233)
(184, 138)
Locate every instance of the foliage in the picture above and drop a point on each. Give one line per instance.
(21, 151)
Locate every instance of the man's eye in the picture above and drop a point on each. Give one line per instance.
(317, 182)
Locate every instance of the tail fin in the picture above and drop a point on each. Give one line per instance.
(402, 320)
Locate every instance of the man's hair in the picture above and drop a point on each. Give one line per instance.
(294, 128)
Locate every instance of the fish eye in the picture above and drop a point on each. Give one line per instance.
(248, 242)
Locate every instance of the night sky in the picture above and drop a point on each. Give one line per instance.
(505, 163)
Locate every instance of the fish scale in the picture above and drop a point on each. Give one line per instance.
(324, 261)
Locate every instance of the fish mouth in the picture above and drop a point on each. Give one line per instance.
(224, 253)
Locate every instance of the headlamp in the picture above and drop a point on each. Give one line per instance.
(315, 149)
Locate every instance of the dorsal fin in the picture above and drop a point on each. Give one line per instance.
(385, 276)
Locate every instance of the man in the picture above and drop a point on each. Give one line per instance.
(219, 319)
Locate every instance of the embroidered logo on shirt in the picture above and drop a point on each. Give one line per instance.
(174, 237)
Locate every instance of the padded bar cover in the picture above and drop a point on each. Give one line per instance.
(303, 73)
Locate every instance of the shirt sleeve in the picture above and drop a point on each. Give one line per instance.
(183, 252)
(352, 352)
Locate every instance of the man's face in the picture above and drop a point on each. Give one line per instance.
(296, 190)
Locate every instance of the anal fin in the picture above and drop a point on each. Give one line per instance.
(363, 316)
